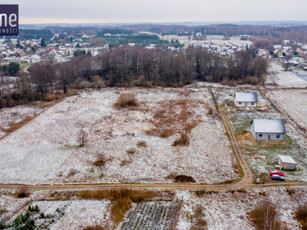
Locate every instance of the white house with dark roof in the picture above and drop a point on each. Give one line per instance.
(268, 129)
(246, 99)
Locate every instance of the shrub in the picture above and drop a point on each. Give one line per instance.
(131, 150)
(124, 163)
(165, 133)
(126, 100)
(100, 161)
(85, 84)
(252, 80)
(210, 111)
(49, 97)
(98, 82)
(22, 192)
(184, 179)
(33, 208)
(184, 140)
(142, 144)
(264, 216)
(72, 172)
(2, 224)
(201, 223)
(82, 136)
(72, 92)
(301, 215)
(24, 222)
(93, 228)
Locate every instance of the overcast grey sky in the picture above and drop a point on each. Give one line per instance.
(106, 11)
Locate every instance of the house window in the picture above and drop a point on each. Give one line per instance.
(253, 103)
(278, 136)
(240, 103)
(260, 135)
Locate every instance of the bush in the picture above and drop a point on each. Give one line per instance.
(82, 136)
(13, 68)
(98, 82)
(93, 228)
(184, 140)
(33, 208)
(201, 223)
(264, 216)
(131, 150)
(100, 161)
(184, 179)
(72, 92)
(85, 84)
(252, 80)
(165, 133)
(210, 111)
(22, 192)
(126, 100)
(24, 222)
(2, 224)
(72, 172)
(301, 215)
(49, 97)
(142, 144)
(42, 215)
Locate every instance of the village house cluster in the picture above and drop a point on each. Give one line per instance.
(36, 50)
(266, 129)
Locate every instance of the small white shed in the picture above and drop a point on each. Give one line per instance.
(246, 99)
(286, 162)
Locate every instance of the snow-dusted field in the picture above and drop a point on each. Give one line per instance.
(70, 214)
(294, 102)
(76, 214)
(229, 210)
(284, 78)
(151, 215)
(47, 149)
(9, 116)
(219, 40)
(218, 210)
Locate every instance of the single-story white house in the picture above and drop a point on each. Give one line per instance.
(34, 59)
(268, 129)
(243, 99)
(286, 162)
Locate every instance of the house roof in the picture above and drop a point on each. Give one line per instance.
(269, 126)
(286, 159)
(247, 96)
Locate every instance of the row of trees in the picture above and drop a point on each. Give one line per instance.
(137, 66)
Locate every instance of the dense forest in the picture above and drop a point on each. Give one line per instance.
(35, 34)
(128, 66)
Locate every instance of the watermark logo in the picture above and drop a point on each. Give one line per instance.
(8, 20)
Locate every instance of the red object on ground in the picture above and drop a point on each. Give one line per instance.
(277, 173)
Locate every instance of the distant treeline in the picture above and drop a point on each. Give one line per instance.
(274, 33)
(279, 33)
(143, 39)
(35, 34)
(113, 32)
